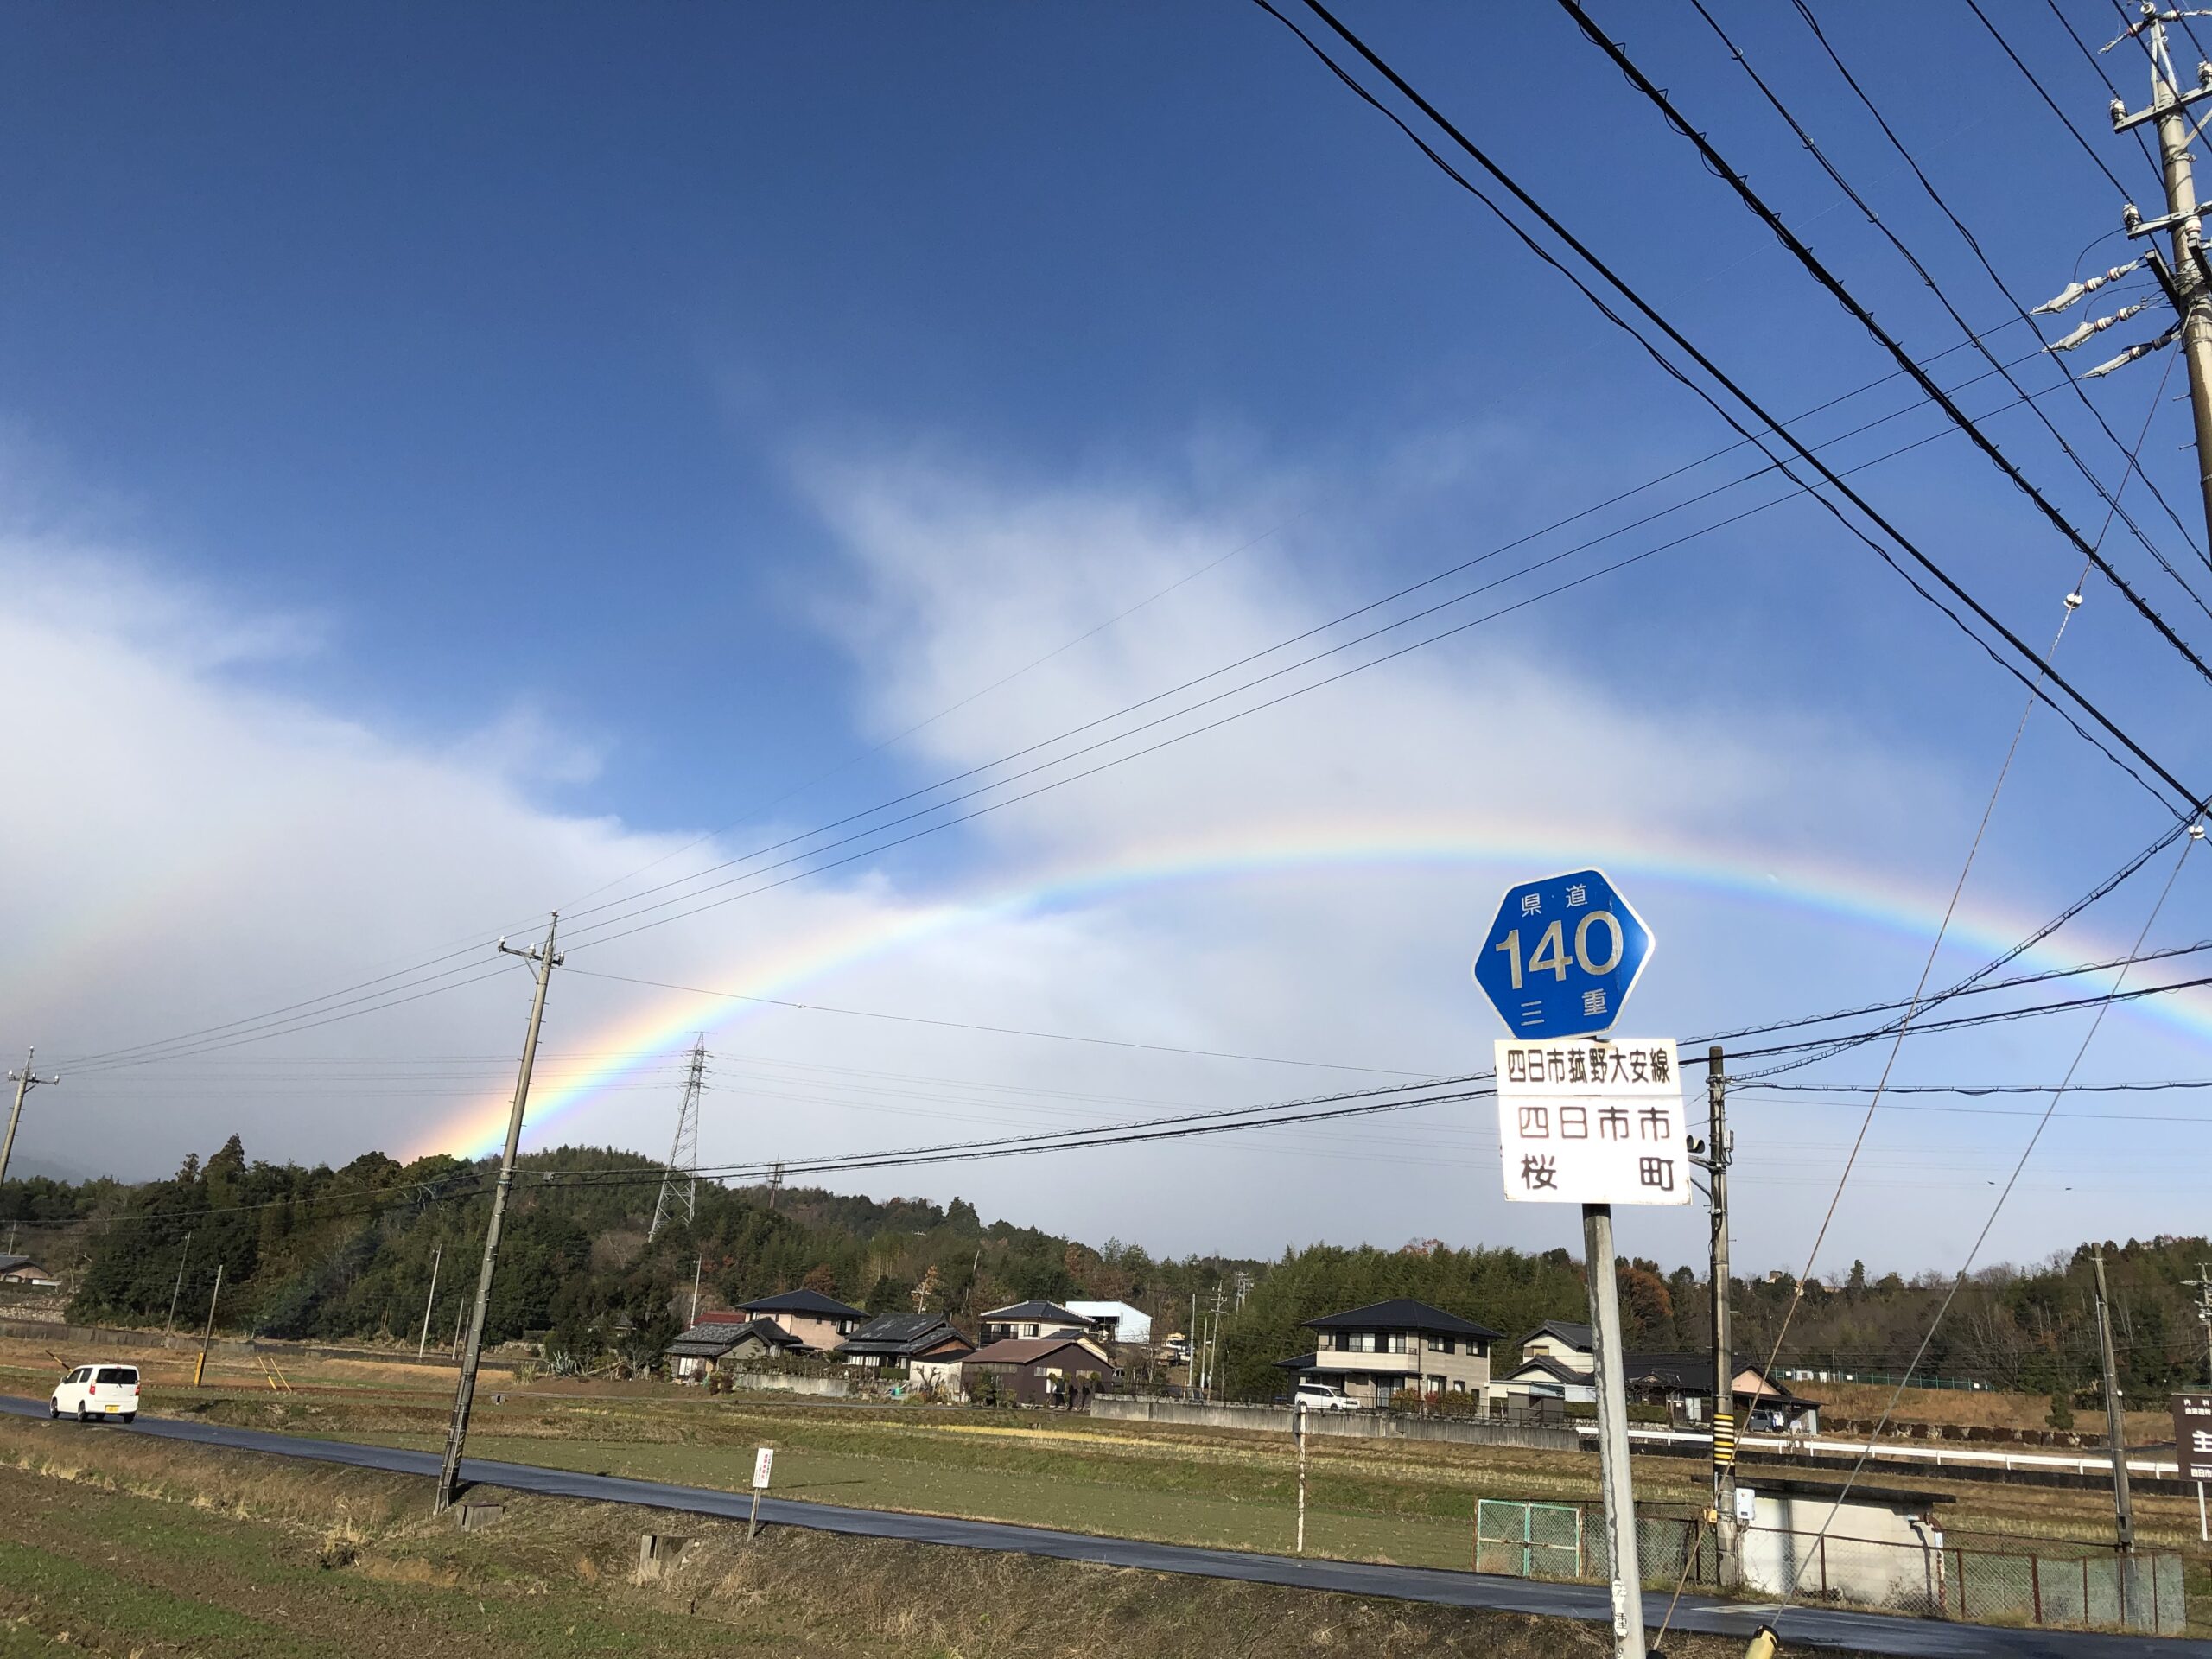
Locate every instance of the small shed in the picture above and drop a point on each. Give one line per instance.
(1036, 1370)
(1879, 1546)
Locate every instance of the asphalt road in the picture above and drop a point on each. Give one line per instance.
(1800, 1627)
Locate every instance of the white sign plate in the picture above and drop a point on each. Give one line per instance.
(764, 1459)
(1582, 1120)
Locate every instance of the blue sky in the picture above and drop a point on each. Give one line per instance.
(579, 384)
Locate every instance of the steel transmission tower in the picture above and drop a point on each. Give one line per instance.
(679, 1182)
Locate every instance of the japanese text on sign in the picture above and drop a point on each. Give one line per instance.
(2193, 1435)
(764, 1461)
(1585, 1122)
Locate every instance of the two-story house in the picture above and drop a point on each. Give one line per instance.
(1373, 1352)
(1019, 1321)
(819, 1322)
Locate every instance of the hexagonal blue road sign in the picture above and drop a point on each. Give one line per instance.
(1562, 955)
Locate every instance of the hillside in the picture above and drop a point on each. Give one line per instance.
(348, 1254)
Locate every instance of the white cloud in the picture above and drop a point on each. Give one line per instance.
(200, 847)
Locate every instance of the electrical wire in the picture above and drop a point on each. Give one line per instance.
(1581, 251)
(2131, 456)
(1997, 1208)
(1820, 272)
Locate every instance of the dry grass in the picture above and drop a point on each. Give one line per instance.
(790, 1592)
(1976, 1408)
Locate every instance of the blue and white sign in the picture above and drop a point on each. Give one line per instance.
(1562, 955)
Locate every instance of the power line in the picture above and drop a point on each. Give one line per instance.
(1681, 342)
(2130, 456)
(1843, 295)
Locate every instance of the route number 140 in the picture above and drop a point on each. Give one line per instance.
(1550, 954)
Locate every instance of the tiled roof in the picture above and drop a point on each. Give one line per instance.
(806, 1301)
(1023, 1351)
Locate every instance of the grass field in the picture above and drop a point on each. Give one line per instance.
(1406, 1502)
(118, 1544)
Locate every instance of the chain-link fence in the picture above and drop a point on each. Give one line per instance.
(2052, 1586)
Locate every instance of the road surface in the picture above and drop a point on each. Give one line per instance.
(1800, 1627)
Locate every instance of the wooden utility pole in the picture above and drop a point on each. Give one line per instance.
(464, 1395)
(200, 1371)
(2123, 1506)
(1717, 1157)
(25, 1081)
(183, 1256)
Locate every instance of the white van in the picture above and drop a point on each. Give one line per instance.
(1319, 1396)
(93, 1391)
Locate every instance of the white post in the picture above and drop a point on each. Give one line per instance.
(2202, 1531)
(1297, 1428)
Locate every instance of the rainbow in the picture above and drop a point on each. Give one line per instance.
(1815, 889)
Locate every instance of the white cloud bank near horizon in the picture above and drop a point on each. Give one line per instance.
(197, 846)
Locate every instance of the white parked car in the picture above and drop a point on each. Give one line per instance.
(93, 1391)
(1319, 1396)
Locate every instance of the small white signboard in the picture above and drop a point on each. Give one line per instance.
(764, 1459)
(1586, 1121)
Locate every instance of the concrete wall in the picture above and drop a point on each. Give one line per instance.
(834, 1388)
(1370, 1425)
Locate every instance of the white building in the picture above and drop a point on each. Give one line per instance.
(1117, 1321)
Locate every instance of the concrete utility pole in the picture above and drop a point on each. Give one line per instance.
(422, 1346)
(25, 1081)
(2123, 1506)
(183, 1256)
(697, 1268)
(2188, 280)
(1719, 1152)
(464, 1394)
(1609, 1373)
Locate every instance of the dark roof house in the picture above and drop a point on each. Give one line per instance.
(1566, 1333)
(897, 1338)
(804, 1302)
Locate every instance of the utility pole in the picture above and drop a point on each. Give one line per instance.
(2202, 1285)
(1719, 1153)
(422, 1346)
(1609, 1375)
(775, 1182)
(200, 1371)
(464, 1394)
(679, 1181)
(183, 1256)
(2188, 280)
(25, 1081)
(2116, 1434)
(697, 1268)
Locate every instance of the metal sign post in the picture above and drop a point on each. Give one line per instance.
(1584, 1119)
(2193, 1448)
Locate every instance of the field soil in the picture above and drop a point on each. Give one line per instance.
(122, 1545)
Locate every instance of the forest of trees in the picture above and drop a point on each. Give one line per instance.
(347, 1254)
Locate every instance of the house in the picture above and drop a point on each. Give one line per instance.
(1120, 1324)
(930, 1348)
(819, 1322)
(1372, 1352)
(693, 1357)
(1684, 1382)
(22, 1270)
(1559, 1357)
(1021, 1320)
(1034, 1371)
